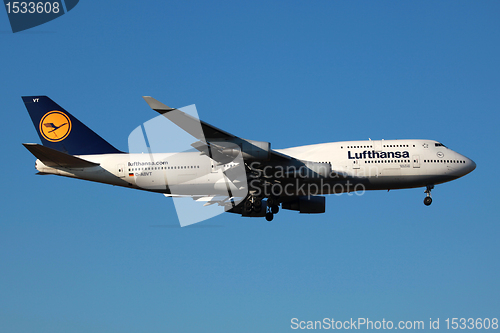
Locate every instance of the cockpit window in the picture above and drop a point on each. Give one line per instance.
(440, 145)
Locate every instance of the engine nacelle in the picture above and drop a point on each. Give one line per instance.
(256, 150)
(250, 150)
(306, 204)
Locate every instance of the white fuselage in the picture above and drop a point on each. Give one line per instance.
(377, 164)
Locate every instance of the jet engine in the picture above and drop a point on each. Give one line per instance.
(306, 204)
(250, 150)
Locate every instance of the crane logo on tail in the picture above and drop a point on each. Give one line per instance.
(55, 126)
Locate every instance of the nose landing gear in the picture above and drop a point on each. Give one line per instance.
(428, 198)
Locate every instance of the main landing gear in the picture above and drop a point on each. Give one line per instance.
(272, 208)
(428, 198)
(252, 206)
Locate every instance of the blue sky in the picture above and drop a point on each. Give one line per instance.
(84, 257)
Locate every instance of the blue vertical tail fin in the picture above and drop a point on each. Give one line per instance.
(59, 130)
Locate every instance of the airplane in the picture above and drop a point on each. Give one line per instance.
(223, 166)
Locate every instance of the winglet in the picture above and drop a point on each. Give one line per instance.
(157, 105)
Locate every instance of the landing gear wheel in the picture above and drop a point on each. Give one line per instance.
(271, 201)
(275, 209)
(257, 208)
(269, 216)
(428, 199)
(257, 202)
(246, 209)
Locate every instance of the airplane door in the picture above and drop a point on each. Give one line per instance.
(121, 170)
(416, 161)
(377, 145)
(355, 164)
(214, 165)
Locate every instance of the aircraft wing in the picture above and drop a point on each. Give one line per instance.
(197, 128)
(209, 135)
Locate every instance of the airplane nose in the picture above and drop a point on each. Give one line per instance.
(470, 166)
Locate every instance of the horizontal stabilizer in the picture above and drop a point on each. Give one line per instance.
(54, 158)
